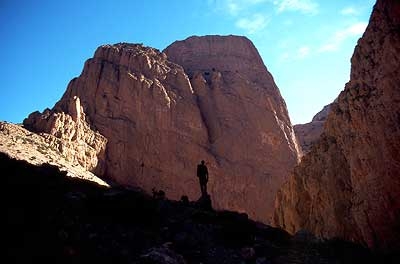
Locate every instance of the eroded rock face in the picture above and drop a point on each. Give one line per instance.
(21, 144)
(309, 133)
(159, 124)
(349, 184)
(71, 135)
(144, 105)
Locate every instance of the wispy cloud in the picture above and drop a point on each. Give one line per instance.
(303, 6)
(341, 35)
(234, 7)
(295, 55)
(251, 25)
(245, 12)
(303, 52)
(348, 11)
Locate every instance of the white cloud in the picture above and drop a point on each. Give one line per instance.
(303, 52)
(254, 1)
(348, 11)
(341, 35)
(251, 25)
(233, 7)
(304, 6)
(299, 54)
(356, 29)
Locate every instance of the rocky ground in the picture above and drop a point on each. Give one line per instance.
(59, 219)
(21, 144)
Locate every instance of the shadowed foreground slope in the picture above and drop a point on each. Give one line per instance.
(53, 218)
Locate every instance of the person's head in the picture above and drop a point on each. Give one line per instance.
(202, 162)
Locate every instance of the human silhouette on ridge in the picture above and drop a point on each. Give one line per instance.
(202, 174)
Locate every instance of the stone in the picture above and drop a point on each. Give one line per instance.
(248, 253)
(162, 255)
(249, 133)
(205, 203)
(348, 185)
(161, 114)
(307, 134)
(37, 149)
(70, 133)
(69, 220)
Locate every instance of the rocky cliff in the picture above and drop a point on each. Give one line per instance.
(249, 133)
(349, 184)
(309, 133)
(160, 119)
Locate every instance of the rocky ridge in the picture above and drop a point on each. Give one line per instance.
(160, 119)
(71, 135)
(38, 149)
(309, 133)
(348, 185)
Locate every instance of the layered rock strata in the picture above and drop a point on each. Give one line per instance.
(161, 119)
(349, 185)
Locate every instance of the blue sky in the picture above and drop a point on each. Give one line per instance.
(305, 44)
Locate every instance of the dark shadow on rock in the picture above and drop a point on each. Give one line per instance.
(185, 200)
(58, 219)
(204, 202)
(160, 194)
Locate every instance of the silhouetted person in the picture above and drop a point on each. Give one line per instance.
(202, 173)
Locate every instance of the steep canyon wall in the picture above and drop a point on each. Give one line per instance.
(348, 185)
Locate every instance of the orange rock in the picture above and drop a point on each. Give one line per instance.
(70, 133)
(348, 185)
(159, 122)
(309, 133)
(248, 128)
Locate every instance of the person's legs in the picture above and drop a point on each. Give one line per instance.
(203, 187)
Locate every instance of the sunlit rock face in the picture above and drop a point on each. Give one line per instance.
(349, 184)
(309, 133)
(144, 105)
(249, 133)
(70, 134)
(161, 119)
